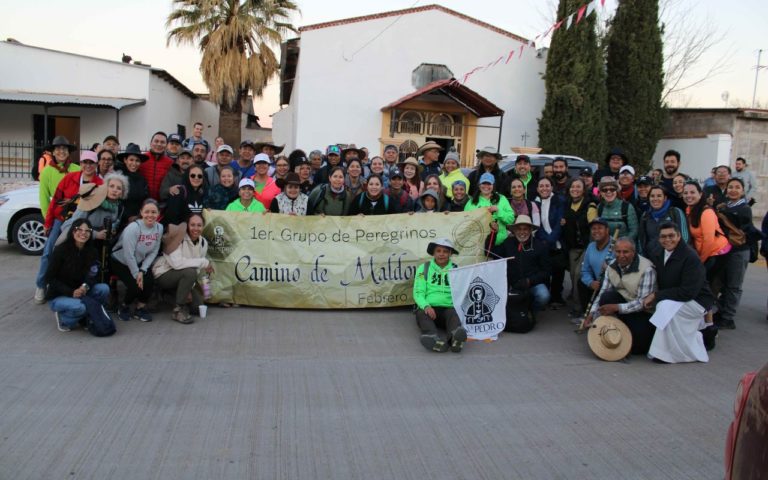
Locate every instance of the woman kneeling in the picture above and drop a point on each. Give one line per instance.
(184, 251)
(72, 274)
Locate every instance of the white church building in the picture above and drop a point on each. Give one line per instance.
(387, 78)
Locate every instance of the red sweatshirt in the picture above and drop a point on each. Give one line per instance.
(153, 170)
(68, 187)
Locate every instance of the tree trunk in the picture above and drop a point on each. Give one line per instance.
(230, 124)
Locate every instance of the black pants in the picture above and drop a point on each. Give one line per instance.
(446, 318)
(559, 261)
(638, 323)
(132, 291)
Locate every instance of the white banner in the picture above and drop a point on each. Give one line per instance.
(480, 297)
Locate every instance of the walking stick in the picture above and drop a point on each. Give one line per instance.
(583, 328)
(490, 242)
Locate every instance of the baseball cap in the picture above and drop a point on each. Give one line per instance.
(391, 147)
(333, 150)
(246, 182)
(174, 137)
(523, 158)
(88, 156)
(599, 221)
(247, 143)
(487, 178)
(261, 158)
(644, 180)
(585, 172)
(627, 168)
(395, 172)
(225, 148)
(185, 152)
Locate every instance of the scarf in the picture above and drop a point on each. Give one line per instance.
(337, 192)
(626, 193)
(109, 205)
(662, 212)
(62, 168)
(738, 202)
(520, 207)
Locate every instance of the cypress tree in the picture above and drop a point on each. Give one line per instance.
(635, 80)
(575, 111)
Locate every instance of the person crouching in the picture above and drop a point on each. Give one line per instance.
(72, 275)
(434, 304)
(184, 251)
(528, 270)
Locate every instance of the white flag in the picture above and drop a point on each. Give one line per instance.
(479, 295)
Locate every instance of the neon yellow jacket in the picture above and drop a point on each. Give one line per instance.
(503, 216)
(434, 291)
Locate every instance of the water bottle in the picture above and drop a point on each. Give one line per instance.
(206, 287)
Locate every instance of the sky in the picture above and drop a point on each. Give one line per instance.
(107, 29)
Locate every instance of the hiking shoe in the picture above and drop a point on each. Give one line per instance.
(39, 296)
(181, 315)
(458, 337)
(709, 335)
(124, 312)
(432, 341)
(59, 325)
(142, 314)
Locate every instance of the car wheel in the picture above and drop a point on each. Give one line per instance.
(29, 234)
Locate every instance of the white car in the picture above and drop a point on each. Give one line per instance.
(21, 222)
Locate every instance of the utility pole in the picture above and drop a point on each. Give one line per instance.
(757, 72)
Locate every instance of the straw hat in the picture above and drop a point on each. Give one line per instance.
(91, 196)
(410, 161)
(173, 237)
(609, 338)
(524, 220)
(429, 146)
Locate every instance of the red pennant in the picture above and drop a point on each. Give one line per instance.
(602, 3)
(557, 25)
(511, 54)
(521, 50)
(498, 60)
(580, 13)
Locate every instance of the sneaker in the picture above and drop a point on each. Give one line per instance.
(709, 335)
(124, 312)
(458, 337)
(39, 296)
(142, 314)
(433, 342)
(59, 325)
(181, 315)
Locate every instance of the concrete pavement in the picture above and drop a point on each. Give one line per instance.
(279, 394)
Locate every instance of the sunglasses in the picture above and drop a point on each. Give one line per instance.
(195, 175)
(608, 190)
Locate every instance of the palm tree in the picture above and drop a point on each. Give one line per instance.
(235, 39)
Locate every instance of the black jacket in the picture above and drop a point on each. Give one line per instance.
(683, 278)
(527, 265)
(69, 268)
(362, 204)
(138, 191)
(741, 217)
(502, 180)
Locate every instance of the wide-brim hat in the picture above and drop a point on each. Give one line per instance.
(61, 141)
(489, 151)
(428, 146)
(524, 220)
(607, 180)
(609, 338)
(441, 242)
(291, 178)
(410, 161)
(132, 149)
(259, 146)
(173, 237)
(91, 196)
(619, 152)
(352, 148)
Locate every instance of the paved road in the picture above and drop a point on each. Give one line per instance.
(278, 394)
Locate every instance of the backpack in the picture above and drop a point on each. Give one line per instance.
(624, 212)
(519, 318)
(734, 234)
(97, 320)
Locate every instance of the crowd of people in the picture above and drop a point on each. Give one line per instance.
(617, 234)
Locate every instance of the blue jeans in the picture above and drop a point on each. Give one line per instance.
(540, 295)
(71, 310)
(49, 244)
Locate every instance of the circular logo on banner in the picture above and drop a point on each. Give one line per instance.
(468, 235)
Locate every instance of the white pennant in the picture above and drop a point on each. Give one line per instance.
(591, 7)
(569, 21)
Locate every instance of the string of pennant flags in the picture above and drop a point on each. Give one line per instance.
(573, 19)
